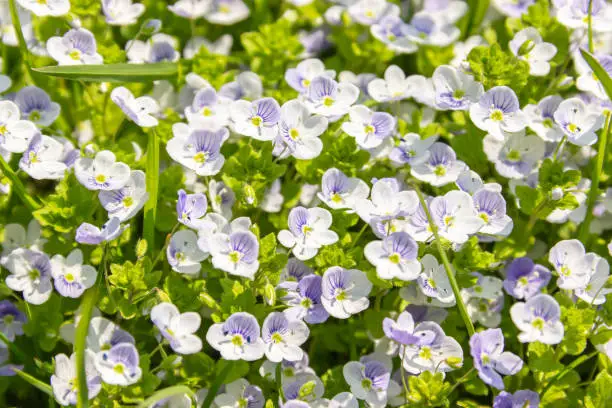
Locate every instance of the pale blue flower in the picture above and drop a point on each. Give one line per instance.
(490, 359)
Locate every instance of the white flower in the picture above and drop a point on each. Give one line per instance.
(578, 122)
(239, 394)
(454, 89)
(104, 334)
(192, 9)
(541, 119)
(178, 328)
(227, 12)
(299, 131)
(386, 201)
(283, 337)
(527, 44)
(235, 253)
(122, 12)
(434, 282)
(588, 81)
(64, 380)
(125, 202)
(198, 149)
(455, 216)
(394, 257)
(368, 382)
(367, 127)
(345, 292)
(300, 77)
(140, 110)
(308, 232)
(570, 261)
(15, 236)
(53, 8)
(257, 119)
(396, 86)
(442, 354)
(183, 253)
(498, 111)
(70, 276)
(76, 47)
(15, 134)
(412, 149)
(339, 191)
(159, 48)
(102, 172)
(538, 320)
(516, 156)
(329, 98)
(208, 110)
(599, 271)
(440, 167)
(222, 46)
(238, 338)
(30, 273)
(119, 365)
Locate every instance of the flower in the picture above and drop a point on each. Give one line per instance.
(15, 134)
(425, 29)
(455, 90)
(485, 300)
(238, 338)
(368, 12)
(595, 291)
(392, 31)
(541, 119)
(246, 85)
(440, 167)
(222, 198)
(412, 150)
(588, 80)
(76, 47)
(178, 328)
(345, 292)
(491, 207)
(70, 276)
(527, 44)
(329, 98)
(7, 369)
(103, 335)
(578, 122)
(208, 110)
(394, 87)
(394, 257)
(236, 253)
(306, 387)
(520, 399)
(140, 110)
(43, 158)
(30, 273)
(538, 319)
(304, 300)
(455, 216)
(121, 12)
(15, 236)
(403, 331)
(53, 8)
(298, 131)
(159, 48)
(575, 14)
(300, 78)
(183, 253)
(434, 282)
(490, 360)
(240, 393)
(197, 149)
(308, 232)
(102, 172)
(125, 202)
(192, 9)
(368, 128)
(36, 106)
(64, 379)
(498, 111)
(387, 201)
(368, 381)
(294, 271)
(525, 279)
(569, 259)
(190, 208)
(90, 234)
(222, 46)
(227, 12)
(516, 156)
(119, 365)
(341, 192)
(11, 320)
(441, 354)
(283, 337)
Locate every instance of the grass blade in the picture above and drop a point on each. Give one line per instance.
(112, 72)
(598, 70)
(165, 393)
(18, 186)
(44, 387)
(476, 13)
(152, 183)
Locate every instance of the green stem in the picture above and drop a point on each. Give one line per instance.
(13, 347)
(18, 186)
(590, 28)
(597, 170)
(279, 381)
(359, 234)
(163, 250)
(559, 147)
(447, 266)
(23, 45)
(461, 380)
(43, 386)
(152, 183)
(80, 341)
(567, 369)
(214, 388)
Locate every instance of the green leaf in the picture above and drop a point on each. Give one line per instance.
(165, 393)
(599, 72)
(113, 72)
(599, 392)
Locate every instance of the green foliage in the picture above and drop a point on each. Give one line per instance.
(428, 390)
(494, 67)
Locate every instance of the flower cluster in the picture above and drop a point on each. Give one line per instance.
(201, 205)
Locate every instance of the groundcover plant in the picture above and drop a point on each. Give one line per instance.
(306, 203)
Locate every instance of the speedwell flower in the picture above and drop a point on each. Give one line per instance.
(11, 320)
(119, 365)
(300, 77)
(304, 299)
(528, 46)
(498, 111)
(440, 166)
(257, 119)
(64, 379)
(90, 234)
(541, 120)
(102, 172)
(30, 273)
(76, 47)
(236, 253)
(283, 337)
(308, 232)
(578, 122)
(345, 292)
(140, 110)
(15, 134)
(299, 131)
(394, 257)
(341, 192)
(490, 359)
(36, 106)
(122, 12)
(368, 128)
(525, 279)
(183, 253)
(125, 202)
(70, 276)
(238, 338)
(178, 328)
(538, 320)
(455, 90)
(197, 149)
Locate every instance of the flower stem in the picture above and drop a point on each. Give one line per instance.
(18, 186)
(214, 388)
(80, 341)
(152, 183)
(23, 45)
(597, 170)
(590, 26)
(447, 266)
(279, 382)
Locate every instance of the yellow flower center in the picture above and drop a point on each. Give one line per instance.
(425, 353)
(34, 274)
(572, 127)
(538, 323)
(547, 123)
(237, 340)
(2, 129)
(458, 94)
(206, 111)
(336, 198)
(484, 216)
(119, 368)
(294, 133)
(514, 155)
(128, 201)
(277, 338)
(75, 55)
(369, 129)
(69, 277)
(306, 229)
(341, 295)
(199, 157)
(328, 101)
(305, 83)
(234, 256)
(448, 220)
(101, 178)
(497, 115)
(8, 319)
(395, 258)
(256, 121)
(366, 383)
(224, 9)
